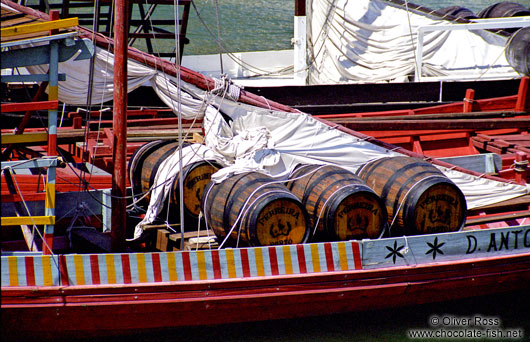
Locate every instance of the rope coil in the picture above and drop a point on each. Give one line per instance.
(225, 85)
(521, 166)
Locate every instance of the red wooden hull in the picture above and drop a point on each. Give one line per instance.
(81, 311)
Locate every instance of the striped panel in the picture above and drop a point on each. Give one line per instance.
(134, 268)
(218, 264)
(32, 270)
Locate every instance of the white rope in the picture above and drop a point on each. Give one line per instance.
(244, 208)
(225, 85)
(411, 35)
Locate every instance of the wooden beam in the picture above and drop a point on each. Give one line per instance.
(25, 220)
(39, 27)
(411, 116)
(36, 137)
(480, 124)
(29, 106)
(496, 218)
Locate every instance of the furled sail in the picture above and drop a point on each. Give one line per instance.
(376, 41)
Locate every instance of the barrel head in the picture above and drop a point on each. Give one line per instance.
(197, 178)
(280, 222)
(359, 216)
(440, 208)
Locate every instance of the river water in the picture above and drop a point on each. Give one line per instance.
(501, 313)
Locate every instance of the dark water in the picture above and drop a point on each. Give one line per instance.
(512, 311)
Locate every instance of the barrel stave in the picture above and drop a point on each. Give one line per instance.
(261, 211)
(339, 204)
(418, 197)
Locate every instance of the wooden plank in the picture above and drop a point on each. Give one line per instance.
(158, 226)
(38, 27)
(17, 221)
(200, 243)
(410, 115)
(521, 201)
(496, 218)
(38, 137)
(436, 124)
(188, 235)
(21, 107)
(162, 239)
(457, 246)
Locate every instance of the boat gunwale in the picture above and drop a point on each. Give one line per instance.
(390, 273)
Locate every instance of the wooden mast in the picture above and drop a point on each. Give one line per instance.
(300, 42)
(119, 123)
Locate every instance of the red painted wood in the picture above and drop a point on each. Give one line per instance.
(63, 271)
(301, 258)
(404, 151)
(356, 256)
(157, 272)
(438, 124)
(119, 141)
(216, 265)
(329, 257)
(299, 8)
(126, 264)
(89, 309)
(94, 265)
(31, 106)
(523, 95)
(30, 271)
(186, 265)
(468, 101)
(274, 261)
(244, 262)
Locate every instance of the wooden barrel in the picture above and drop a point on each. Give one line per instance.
(517, 51)
(262, 213)
(151, 154)
(144, 165)
(505, 9)
(421, 197)
(457, 12)
(347, 207)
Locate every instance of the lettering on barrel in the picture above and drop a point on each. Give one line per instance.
(438, 212)
(191, 182)
(279, 211)
(194, 185)
(281, 223)
(359, 217)
(359, 220)
(280, 229)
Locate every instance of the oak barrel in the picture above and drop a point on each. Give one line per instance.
(419, 198)
(144, 165)
(347, 207)
(517, 51)
(505, 9)
(262, 212)
(457, 12)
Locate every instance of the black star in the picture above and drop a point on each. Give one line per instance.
(394, 251)
(435, 248)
